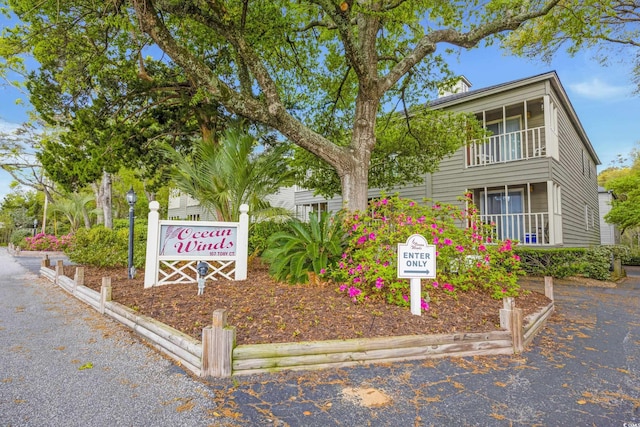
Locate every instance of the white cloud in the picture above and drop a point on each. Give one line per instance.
(598, 89)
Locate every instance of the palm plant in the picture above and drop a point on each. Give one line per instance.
(306, 248)
(74, 207)
(226, 175)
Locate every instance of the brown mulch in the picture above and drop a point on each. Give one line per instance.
(266, 311)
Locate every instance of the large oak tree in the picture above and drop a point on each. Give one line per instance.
(322, 73)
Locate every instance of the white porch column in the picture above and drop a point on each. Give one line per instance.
(551, 208)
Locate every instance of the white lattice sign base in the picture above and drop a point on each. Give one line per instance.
(176, 272)
(174, 248)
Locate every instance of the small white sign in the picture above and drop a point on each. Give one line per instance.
(416, 258)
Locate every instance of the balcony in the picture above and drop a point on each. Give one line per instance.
(507, 147)
(527, 228)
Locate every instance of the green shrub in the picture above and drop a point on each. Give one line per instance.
(18, 237)
(592, 262)
(102, 247)
(260, 232)
(304, 248)
(465, 260)
(634, 258)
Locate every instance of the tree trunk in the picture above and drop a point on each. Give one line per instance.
(106, 200)
(85, 216)
(354, 170)
(97, 192)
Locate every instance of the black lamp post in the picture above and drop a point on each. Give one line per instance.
(131, 199)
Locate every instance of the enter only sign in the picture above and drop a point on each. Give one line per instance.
(416, 258)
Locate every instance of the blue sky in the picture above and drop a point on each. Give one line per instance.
(602, 96)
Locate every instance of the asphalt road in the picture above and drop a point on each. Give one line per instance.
(62, 364)
(584, 369)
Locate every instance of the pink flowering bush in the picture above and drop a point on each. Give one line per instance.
(466, 258)
(48, 242)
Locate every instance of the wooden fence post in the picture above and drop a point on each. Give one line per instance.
(517, 332)
(548, 287)
(46, 262)
(79, 278)
(59, 269)
(218, 341)
(105, 293)
(505, 313)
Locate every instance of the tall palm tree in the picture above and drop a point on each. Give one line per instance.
(233, 172)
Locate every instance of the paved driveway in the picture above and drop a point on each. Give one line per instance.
(584, 369)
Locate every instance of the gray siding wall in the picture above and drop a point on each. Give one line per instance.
(453, 178)
(579, 187)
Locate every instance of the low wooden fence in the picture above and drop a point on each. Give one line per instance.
(218, 356)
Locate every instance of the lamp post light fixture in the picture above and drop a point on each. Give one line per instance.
(35, 225)
(203, 269)
(132, 198)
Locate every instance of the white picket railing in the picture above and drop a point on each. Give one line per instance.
(527, 228)
(508, 147)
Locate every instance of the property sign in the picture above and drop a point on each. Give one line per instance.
(416, 258)
(197, 240)
(179, 246)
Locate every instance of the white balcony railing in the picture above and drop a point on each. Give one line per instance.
(507, 147)
(527, 228)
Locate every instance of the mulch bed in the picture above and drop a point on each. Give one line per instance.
(266, 311)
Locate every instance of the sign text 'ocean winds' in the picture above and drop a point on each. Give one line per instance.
(198, 240)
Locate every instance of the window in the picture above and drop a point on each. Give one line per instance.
(505, 143)
(505, 210)
(587, 217)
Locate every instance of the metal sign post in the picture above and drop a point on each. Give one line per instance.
(416, 260)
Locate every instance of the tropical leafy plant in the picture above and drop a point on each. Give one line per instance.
(233, 172)
(305, 247)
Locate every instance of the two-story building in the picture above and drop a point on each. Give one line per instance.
(534, 177)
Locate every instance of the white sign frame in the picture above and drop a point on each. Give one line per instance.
(235, 251)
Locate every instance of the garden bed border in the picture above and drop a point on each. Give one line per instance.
(218, 356)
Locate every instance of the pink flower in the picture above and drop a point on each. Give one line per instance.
(448, 242)
(434, 226)
(379, 282)
(362, 240)
(384, 201)
(460, 248)
(482, 248)
(372, 236)
(516, 257)
(354, 292)
(434, 284)
(359, 267)
(323, 271)
(341, 265)
(406, 298)
(448, 287)
(356, 280)
(424, 305)
(412, 204)
(343, 288)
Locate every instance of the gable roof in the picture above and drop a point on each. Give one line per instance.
(551, 77)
